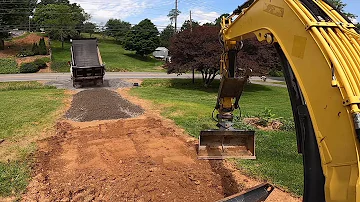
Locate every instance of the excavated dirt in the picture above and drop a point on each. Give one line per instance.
(147, 158)
(101, 104)
(273, 125)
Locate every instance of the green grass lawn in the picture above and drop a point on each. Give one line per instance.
(114, 56)
(26, 109)
(190, 106)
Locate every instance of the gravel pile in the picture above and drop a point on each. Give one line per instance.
(108, 84)
(101, 104)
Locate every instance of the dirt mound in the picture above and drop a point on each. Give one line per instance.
(272, 125)
(130, 160)
(147, 158)
(101, 104)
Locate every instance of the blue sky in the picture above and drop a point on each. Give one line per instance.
(134, 11)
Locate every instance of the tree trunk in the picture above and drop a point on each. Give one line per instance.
(211, 76)
(203, 76)
(2, 44)
(62, 41)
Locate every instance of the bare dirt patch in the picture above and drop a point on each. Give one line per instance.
(272, 125)
(22, 60)
(146, 158)
(13, 47)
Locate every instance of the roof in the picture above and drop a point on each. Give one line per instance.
(161, 49)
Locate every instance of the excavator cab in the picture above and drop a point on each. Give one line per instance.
(227, 142)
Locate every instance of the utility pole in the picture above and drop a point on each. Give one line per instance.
(176, 14)
(193, 69)
(190, 22)
(30, 17)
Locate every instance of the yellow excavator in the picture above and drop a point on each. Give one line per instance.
(320, 52)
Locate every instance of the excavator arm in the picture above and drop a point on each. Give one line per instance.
(320, 52)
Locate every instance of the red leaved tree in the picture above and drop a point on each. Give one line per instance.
(200, 49)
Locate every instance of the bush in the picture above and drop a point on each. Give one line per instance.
(8, 66)
(25, 53)
(46, 60)
(35, 49)
(41, 64)
(28, 68)
(276, 73)
(42, 47)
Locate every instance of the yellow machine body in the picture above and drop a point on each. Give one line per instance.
(325, 59)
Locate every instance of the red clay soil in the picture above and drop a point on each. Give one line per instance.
(140, 159)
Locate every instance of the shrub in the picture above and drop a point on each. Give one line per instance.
(8, 66)
(276, 73)
(265, 117)
(40, 63)
(28, 68)
(46, 60)
(42, 47)
(35, 49)
(25, 53)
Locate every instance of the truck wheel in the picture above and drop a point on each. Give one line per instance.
(76, 85)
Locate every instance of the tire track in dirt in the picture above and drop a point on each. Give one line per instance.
(146, 158)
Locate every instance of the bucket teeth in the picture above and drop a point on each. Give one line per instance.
(217, 144)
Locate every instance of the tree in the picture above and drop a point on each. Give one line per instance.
(118, 29)
(60, 20)
(187, 25)
(209, 24)
(340, 6)
(46, 2)
(14, 14)
(42, 47)
(89, 28)
(199, 49)
(35, 49)
(142, 38)
(166, 35)
(173, 14)
(219, 19)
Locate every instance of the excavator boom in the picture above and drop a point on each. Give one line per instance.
(320, 52)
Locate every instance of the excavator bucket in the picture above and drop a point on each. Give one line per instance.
(218, 144)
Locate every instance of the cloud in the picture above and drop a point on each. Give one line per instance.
(198, 15)
(354, 20)
(204, 17)
(101, 11)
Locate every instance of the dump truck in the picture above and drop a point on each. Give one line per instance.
(86, 63)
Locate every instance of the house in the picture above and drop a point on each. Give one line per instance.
(161, 53)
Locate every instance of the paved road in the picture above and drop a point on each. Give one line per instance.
(119, 75)
(108, 75)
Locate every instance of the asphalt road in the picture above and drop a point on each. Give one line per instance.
(120, 75)
(108, 75)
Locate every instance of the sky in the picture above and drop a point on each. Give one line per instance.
(203, 11)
